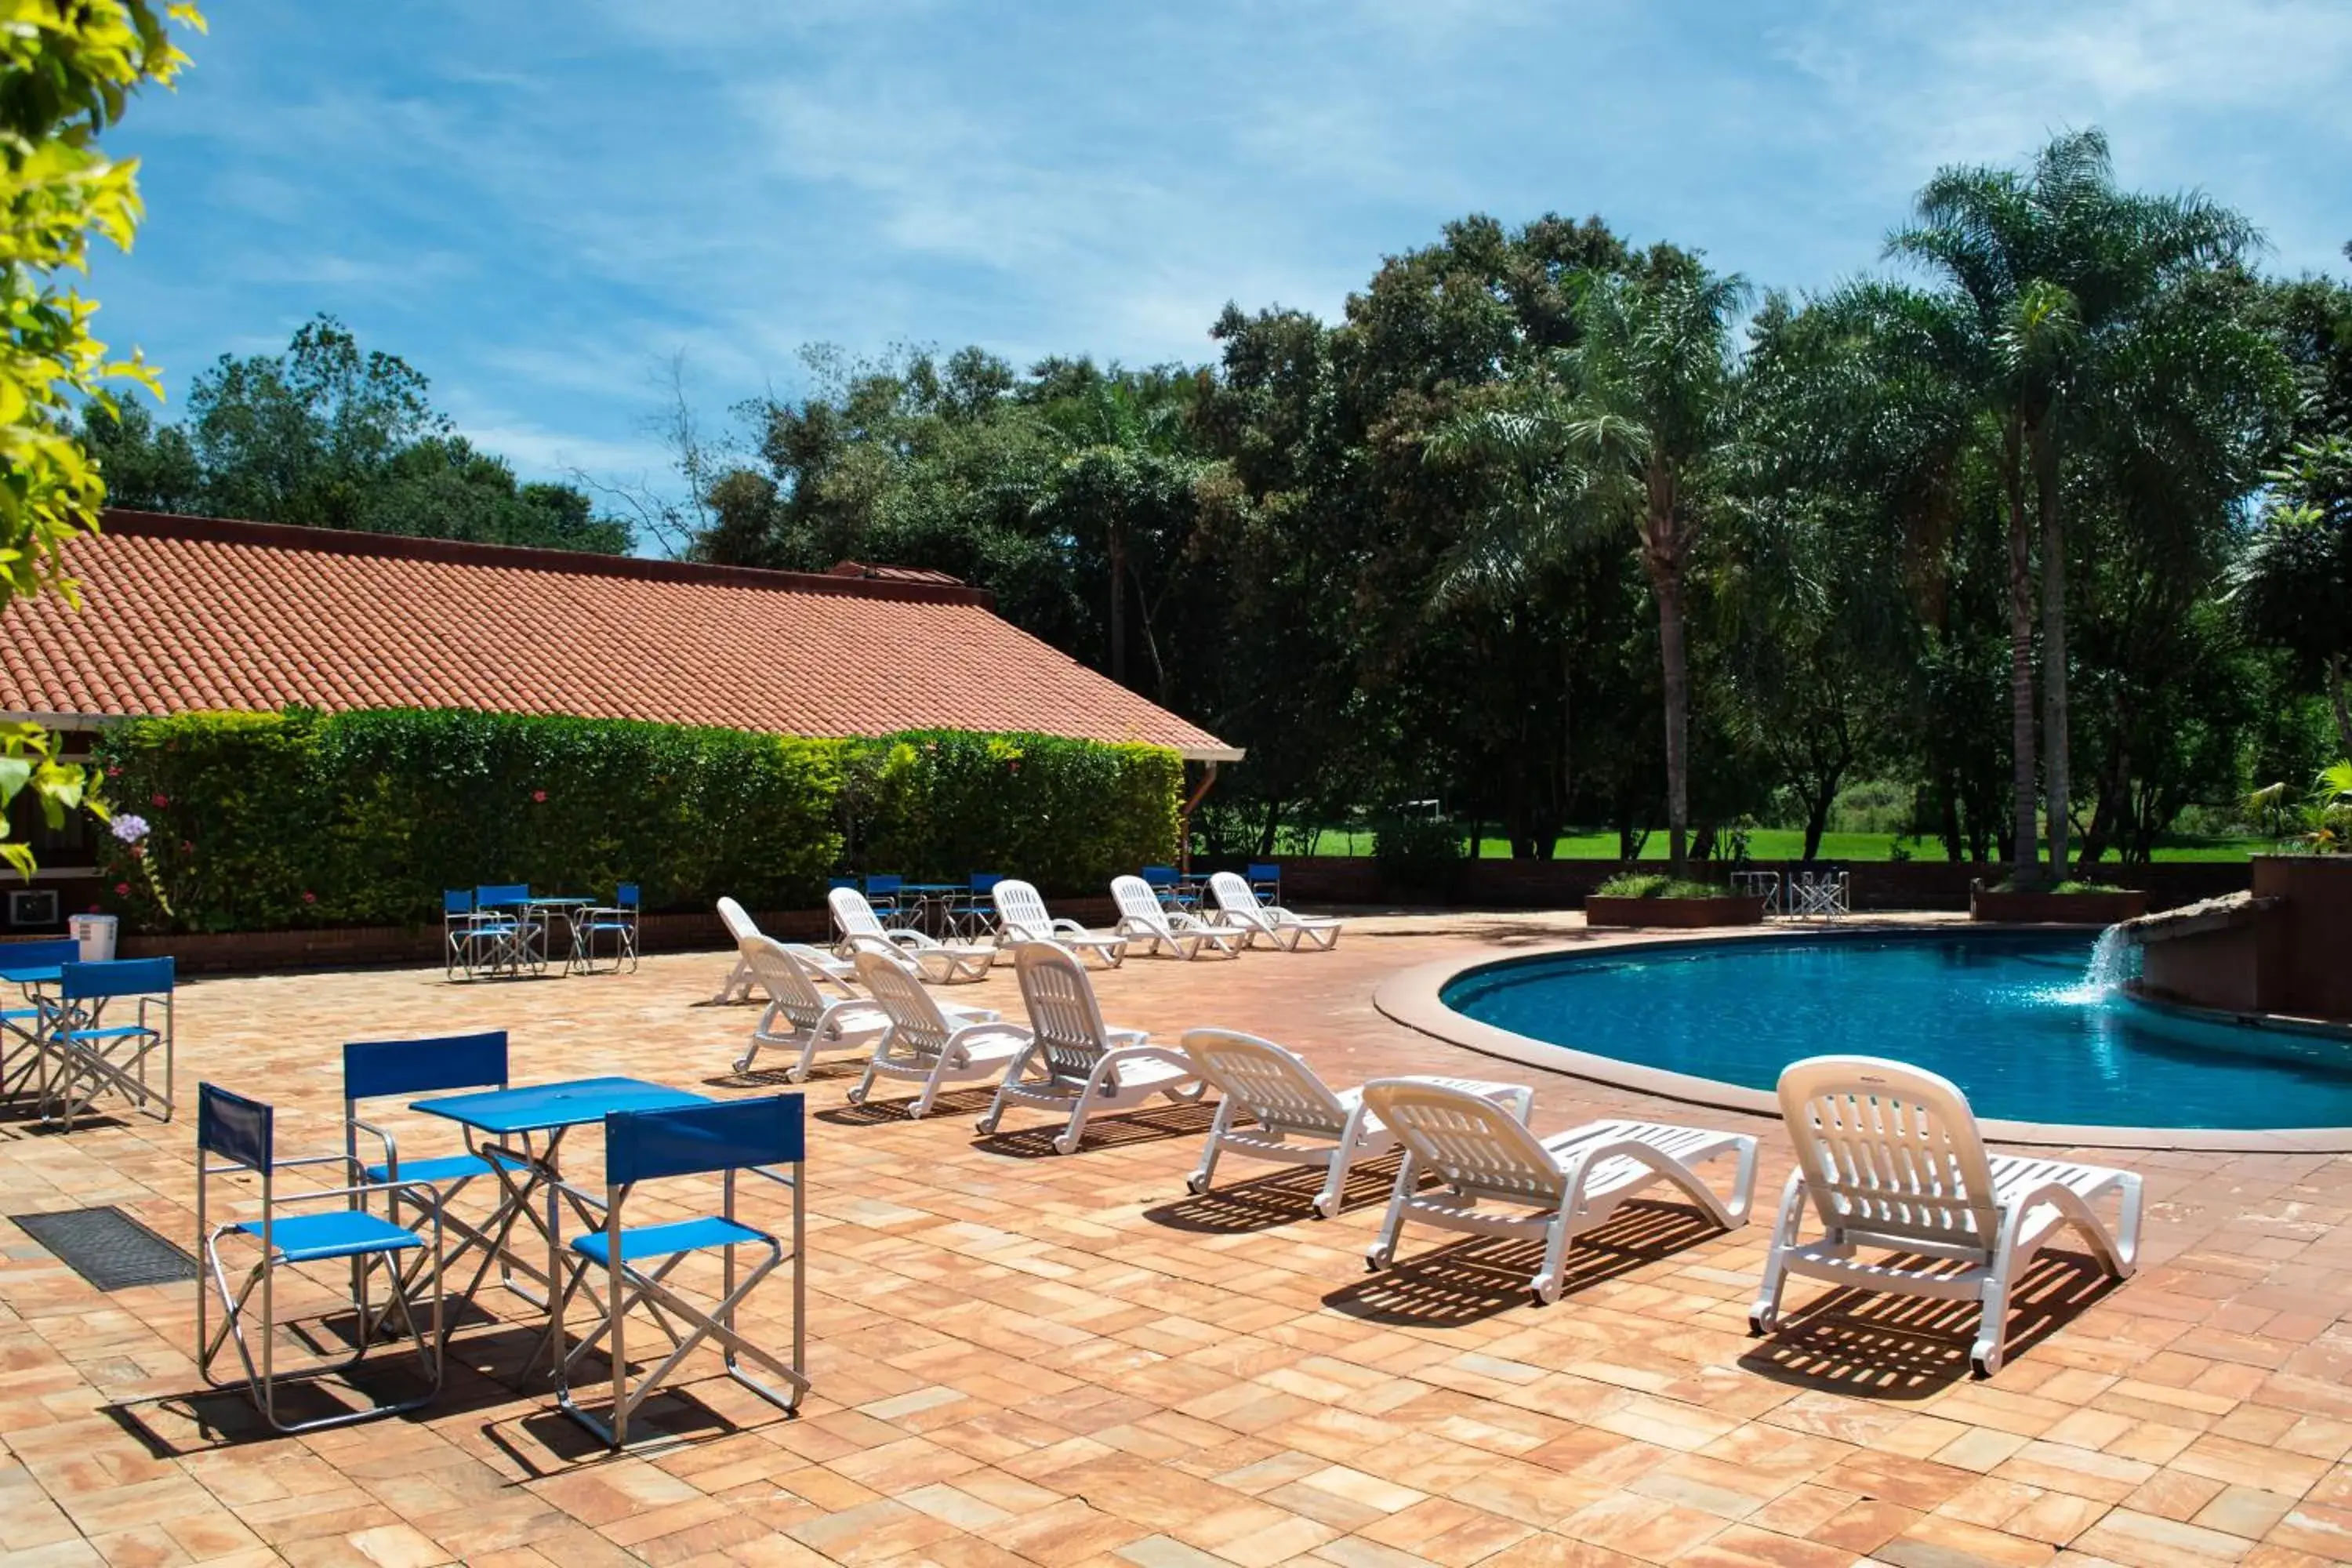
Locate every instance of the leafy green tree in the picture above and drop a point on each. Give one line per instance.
(328, 434)
(2294, 583)
(2053, 262)
(68, 72)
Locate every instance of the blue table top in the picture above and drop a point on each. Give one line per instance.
(543, 1107)
(35, 974)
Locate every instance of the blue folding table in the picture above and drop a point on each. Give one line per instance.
(23, 1025)
(519, 1133)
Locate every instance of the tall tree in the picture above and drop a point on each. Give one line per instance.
(2052, 260)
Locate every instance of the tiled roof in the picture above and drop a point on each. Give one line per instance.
(201, 614)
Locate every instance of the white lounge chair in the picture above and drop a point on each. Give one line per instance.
(1296, 1118)
(1889, 1156)
(831, 971)
(1238, 907)
(1570, 1183)
(1076, 1063)
(1021, 916)
(934, 961)
(798, 1019)
(923, 1045)
(1141, 919)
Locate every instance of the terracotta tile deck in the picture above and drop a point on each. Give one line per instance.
(1019, 1358)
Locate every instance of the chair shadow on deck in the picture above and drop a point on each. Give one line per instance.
(1282, 1198)
(1473, 1280)
(966, 1102)
(1148, 1124)
(1870, 1344)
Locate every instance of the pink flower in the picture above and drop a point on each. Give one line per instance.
(122, 889)
(162, 799)
(138, 852)
(187, 846)
(310, 898)
(114, 773)
(95, 909)
(540, 796)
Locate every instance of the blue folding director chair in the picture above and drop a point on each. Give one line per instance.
(733, 1139)
(379, 1069)
(89, 1048)
(242, 1134)
(616, 921)
(21, 1028)
(519, 941)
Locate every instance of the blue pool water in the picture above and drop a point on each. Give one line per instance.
(2006, 1017)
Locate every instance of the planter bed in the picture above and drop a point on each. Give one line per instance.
(2055, 908)
(1676, 914)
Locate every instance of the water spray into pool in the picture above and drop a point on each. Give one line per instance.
(2105, 975)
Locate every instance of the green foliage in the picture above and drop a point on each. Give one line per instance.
(1656, 885)
(67, 73)
(327, 434)
(263, 821)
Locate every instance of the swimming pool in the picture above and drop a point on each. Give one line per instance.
(2005, 1015)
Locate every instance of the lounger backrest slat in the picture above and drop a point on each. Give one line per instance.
(737, 919)
(1137, 902)
(1890, 1149)
(1021, 910)
(1066, 1021)
(786, 982)
(853, 914)
(1281, 1093)
(1479, 1148)
(916, 1025)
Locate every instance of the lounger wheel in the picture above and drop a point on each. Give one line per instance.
(1758, 1325)
(743, 1063)
(857, 1095)
(1196, 1183)
(1542, 1292)
(1378, 1258)
(986, 1124)
(1984, 1361)
(1065, 1145)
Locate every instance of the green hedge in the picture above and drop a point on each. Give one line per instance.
(260, 822)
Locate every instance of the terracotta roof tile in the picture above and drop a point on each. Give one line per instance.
(200, 614)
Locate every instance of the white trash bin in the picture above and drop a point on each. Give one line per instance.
(96, 934)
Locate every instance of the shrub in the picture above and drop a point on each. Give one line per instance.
(264, 821)
(1656, 885)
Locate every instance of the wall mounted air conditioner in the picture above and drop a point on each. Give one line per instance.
(33, 907)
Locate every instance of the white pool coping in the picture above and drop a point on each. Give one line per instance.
(1414, 997)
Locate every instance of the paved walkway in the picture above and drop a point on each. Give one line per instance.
(1019, 1358)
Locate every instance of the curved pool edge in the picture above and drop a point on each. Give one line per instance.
(1414, 998)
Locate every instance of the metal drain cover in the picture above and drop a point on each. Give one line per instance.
(107, 1247)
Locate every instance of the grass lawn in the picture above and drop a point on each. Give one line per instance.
(1787, 844)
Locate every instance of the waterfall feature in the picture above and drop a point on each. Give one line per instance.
(2111, 965)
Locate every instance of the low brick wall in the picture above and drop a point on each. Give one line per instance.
(1877, 886)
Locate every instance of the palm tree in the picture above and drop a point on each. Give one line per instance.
(2051, 262)
(1622, 428)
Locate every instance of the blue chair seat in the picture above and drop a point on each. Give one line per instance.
(660, 1240)
(345, 1233)
(448, 1168)
(111, 1032)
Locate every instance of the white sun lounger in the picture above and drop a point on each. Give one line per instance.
(934, 961)
(831, 971)
(1141, 919)
(1889, 1157)
(1075, 1062)
(1238, 907)
(798, 1019)
(1296, 1118)
(1021, 916)
(1570, 1183)
(923, 1045)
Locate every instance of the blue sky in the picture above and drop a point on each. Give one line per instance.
(542, 205)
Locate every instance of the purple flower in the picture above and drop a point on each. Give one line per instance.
(130, 829)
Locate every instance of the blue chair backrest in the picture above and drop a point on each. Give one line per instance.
(233, 1127)
(642, 1145)
(456, 902)
(885, 885)
(119, 977)
(372, 1068)
(46, 954)
(490, 893)
(1160, 875)
(624, 897)
(984, 881)
(1265, 871)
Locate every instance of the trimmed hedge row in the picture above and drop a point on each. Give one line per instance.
(260, 822)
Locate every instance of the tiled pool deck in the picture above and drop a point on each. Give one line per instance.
(1020, 1358)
